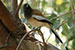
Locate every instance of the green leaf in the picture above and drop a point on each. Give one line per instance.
(52, 16)
(66, 30)
(70, 22)
(73, 44)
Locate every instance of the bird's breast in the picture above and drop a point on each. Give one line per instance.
(36, 23)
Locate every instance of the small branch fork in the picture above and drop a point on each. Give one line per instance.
(61, 15)
(45, 46)
(17, 10)
(27, 34)
(23, 39)
(61, 24)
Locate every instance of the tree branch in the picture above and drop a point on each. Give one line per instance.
(61, 15)
(17, 10)
(7, 18)
(73, 13)
(13, 6)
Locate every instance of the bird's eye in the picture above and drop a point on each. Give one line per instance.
(26, 5)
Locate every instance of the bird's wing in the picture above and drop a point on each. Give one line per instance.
(41, 19)
(39, 16)
(37, 12)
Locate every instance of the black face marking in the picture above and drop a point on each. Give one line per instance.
(27, 10)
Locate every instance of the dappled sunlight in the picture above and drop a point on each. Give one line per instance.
(59, 2)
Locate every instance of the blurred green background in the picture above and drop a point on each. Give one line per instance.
(59, 13)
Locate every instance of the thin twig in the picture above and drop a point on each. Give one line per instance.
(23, 39)
(3, 46)
(54, 4)
(72, 7)
(7, 38)
(27, 34)
(43, 39)
(73, 12)
(17, 10)
(48, 37)
(61, 15)
(6, 42)
(39, 46)
(61, 24)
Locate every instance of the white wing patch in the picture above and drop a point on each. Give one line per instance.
(39, 17)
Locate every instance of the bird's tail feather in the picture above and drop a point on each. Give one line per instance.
(58, 37)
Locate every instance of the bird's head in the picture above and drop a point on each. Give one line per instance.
(26, 6)
(27, 10)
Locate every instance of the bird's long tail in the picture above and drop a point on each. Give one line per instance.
(58, 37)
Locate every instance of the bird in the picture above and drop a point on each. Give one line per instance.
(36, 19)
